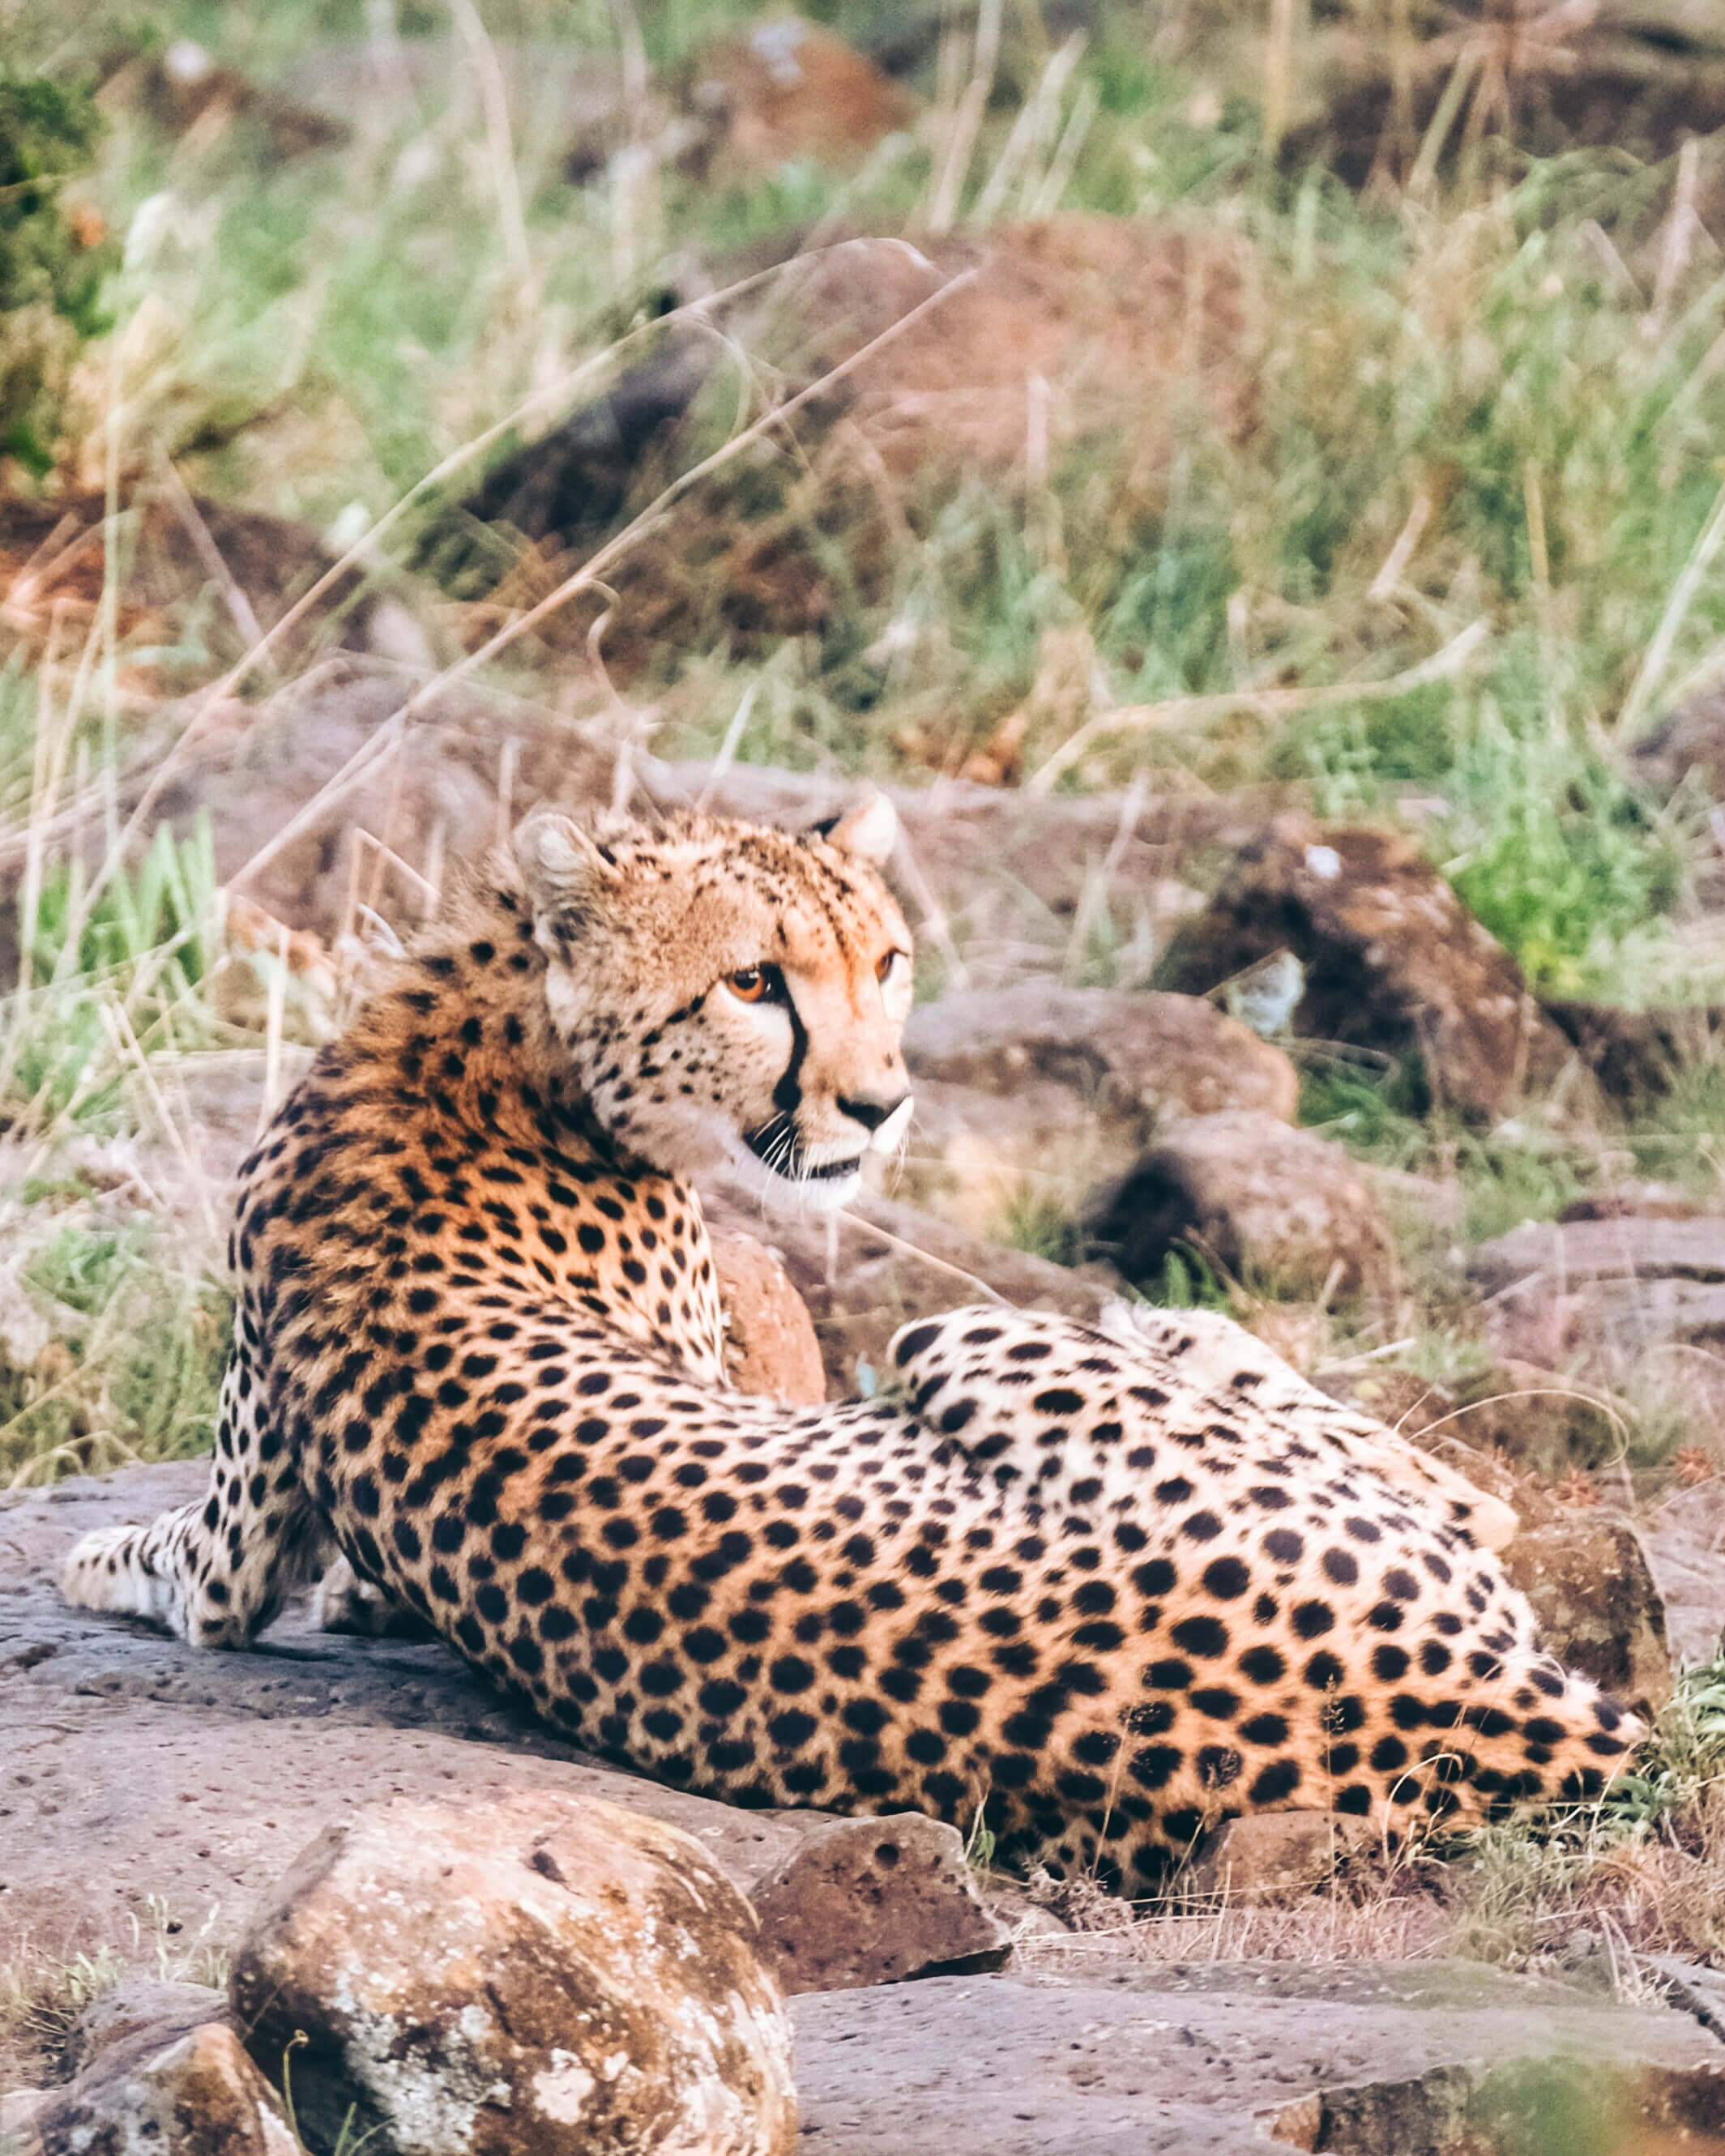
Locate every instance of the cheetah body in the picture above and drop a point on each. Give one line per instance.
(1102, 1591)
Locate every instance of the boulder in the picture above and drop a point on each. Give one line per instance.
(1587, 1576)
(1030, 1096)
(874, 1900)
(1140, 1059)
(1682, 1539)
(1277, 1856)
(786, 88)
(1394, 962)
(1284, 1209)
(1604, 1289)
(527, 1977)
(197, 2095)
(141, 2011)
(770, 1342)
(864, 1276)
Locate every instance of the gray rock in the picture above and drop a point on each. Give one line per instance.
(1160, 2061)
(1627, 1247)
(142, 2014)
(1682, 1541)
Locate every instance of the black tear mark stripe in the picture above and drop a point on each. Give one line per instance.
(787, 1093)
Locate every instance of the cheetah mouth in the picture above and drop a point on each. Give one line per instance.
(786, 1161)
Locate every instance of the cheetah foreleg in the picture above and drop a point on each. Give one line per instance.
(213, 1572)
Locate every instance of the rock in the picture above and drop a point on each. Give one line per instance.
(788, 89)
(1030, 1096)
(1141, 1058)
(198, 2095)
(1682, 1541)
(1282, 1210)
(874, 1900)
(1623, 1248)
(1599, 1612)
(231, 1758)
(1164, 2060)
(140, 2012)
(1277, 1856)
(19, 2109)
(1687, 742)
(988, 1164)
(534, 1974)
(771, 1346)
(1394, 962)
(883, 1264)
(1637, 1056)
(1603, 1289)
(1631, 1201)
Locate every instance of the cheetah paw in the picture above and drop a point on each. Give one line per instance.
(105, 1571)
(342, 1602)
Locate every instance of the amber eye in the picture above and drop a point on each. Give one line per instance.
(890, 967)
(754, 984)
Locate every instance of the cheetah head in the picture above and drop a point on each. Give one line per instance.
(731, 996)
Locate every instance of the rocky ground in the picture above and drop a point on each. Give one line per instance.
(155, 1798)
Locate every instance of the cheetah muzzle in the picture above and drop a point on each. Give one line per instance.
(1105, 1593)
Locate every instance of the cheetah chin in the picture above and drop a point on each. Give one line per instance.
(1100, 1591)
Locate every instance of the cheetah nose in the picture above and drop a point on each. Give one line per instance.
(871, 1114)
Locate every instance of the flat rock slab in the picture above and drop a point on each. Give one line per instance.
(132, 1765)
(1628, 1247)
(1226, 2058)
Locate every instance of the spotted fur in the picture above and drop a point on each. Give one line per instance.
(1105, 1591)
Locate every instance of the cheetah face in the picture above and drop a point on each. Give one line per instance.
(730, 997)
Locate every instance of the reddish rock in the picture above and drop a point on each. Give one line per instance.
(788, 89)
(770, 1342)
(1394, 962)
(197, 2094)
(1277, 1856)
(874, 1901)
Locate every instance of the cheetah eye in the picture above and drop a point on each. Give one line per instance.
(892, 968)
(757, 984)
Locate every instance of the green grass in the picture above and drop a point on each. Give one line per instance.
(133, 1372)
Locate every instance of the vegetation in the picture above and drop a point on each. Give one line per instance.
(1445, 551)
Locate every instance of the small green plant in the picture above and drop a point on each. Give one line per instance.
(1190, 1281)
(981, 1842)
(102, 984)
(137, 1373)
(1682, 1759)
(1042, 1226)
(51, 271)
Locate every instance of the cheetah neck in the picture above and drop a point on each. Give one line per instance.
(459, 1051)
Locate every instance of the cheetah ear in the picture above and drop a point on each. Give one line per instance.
(868, 832)
(562, 868)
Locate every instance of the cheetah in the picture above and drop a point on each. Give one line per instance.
(1104, 1592)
